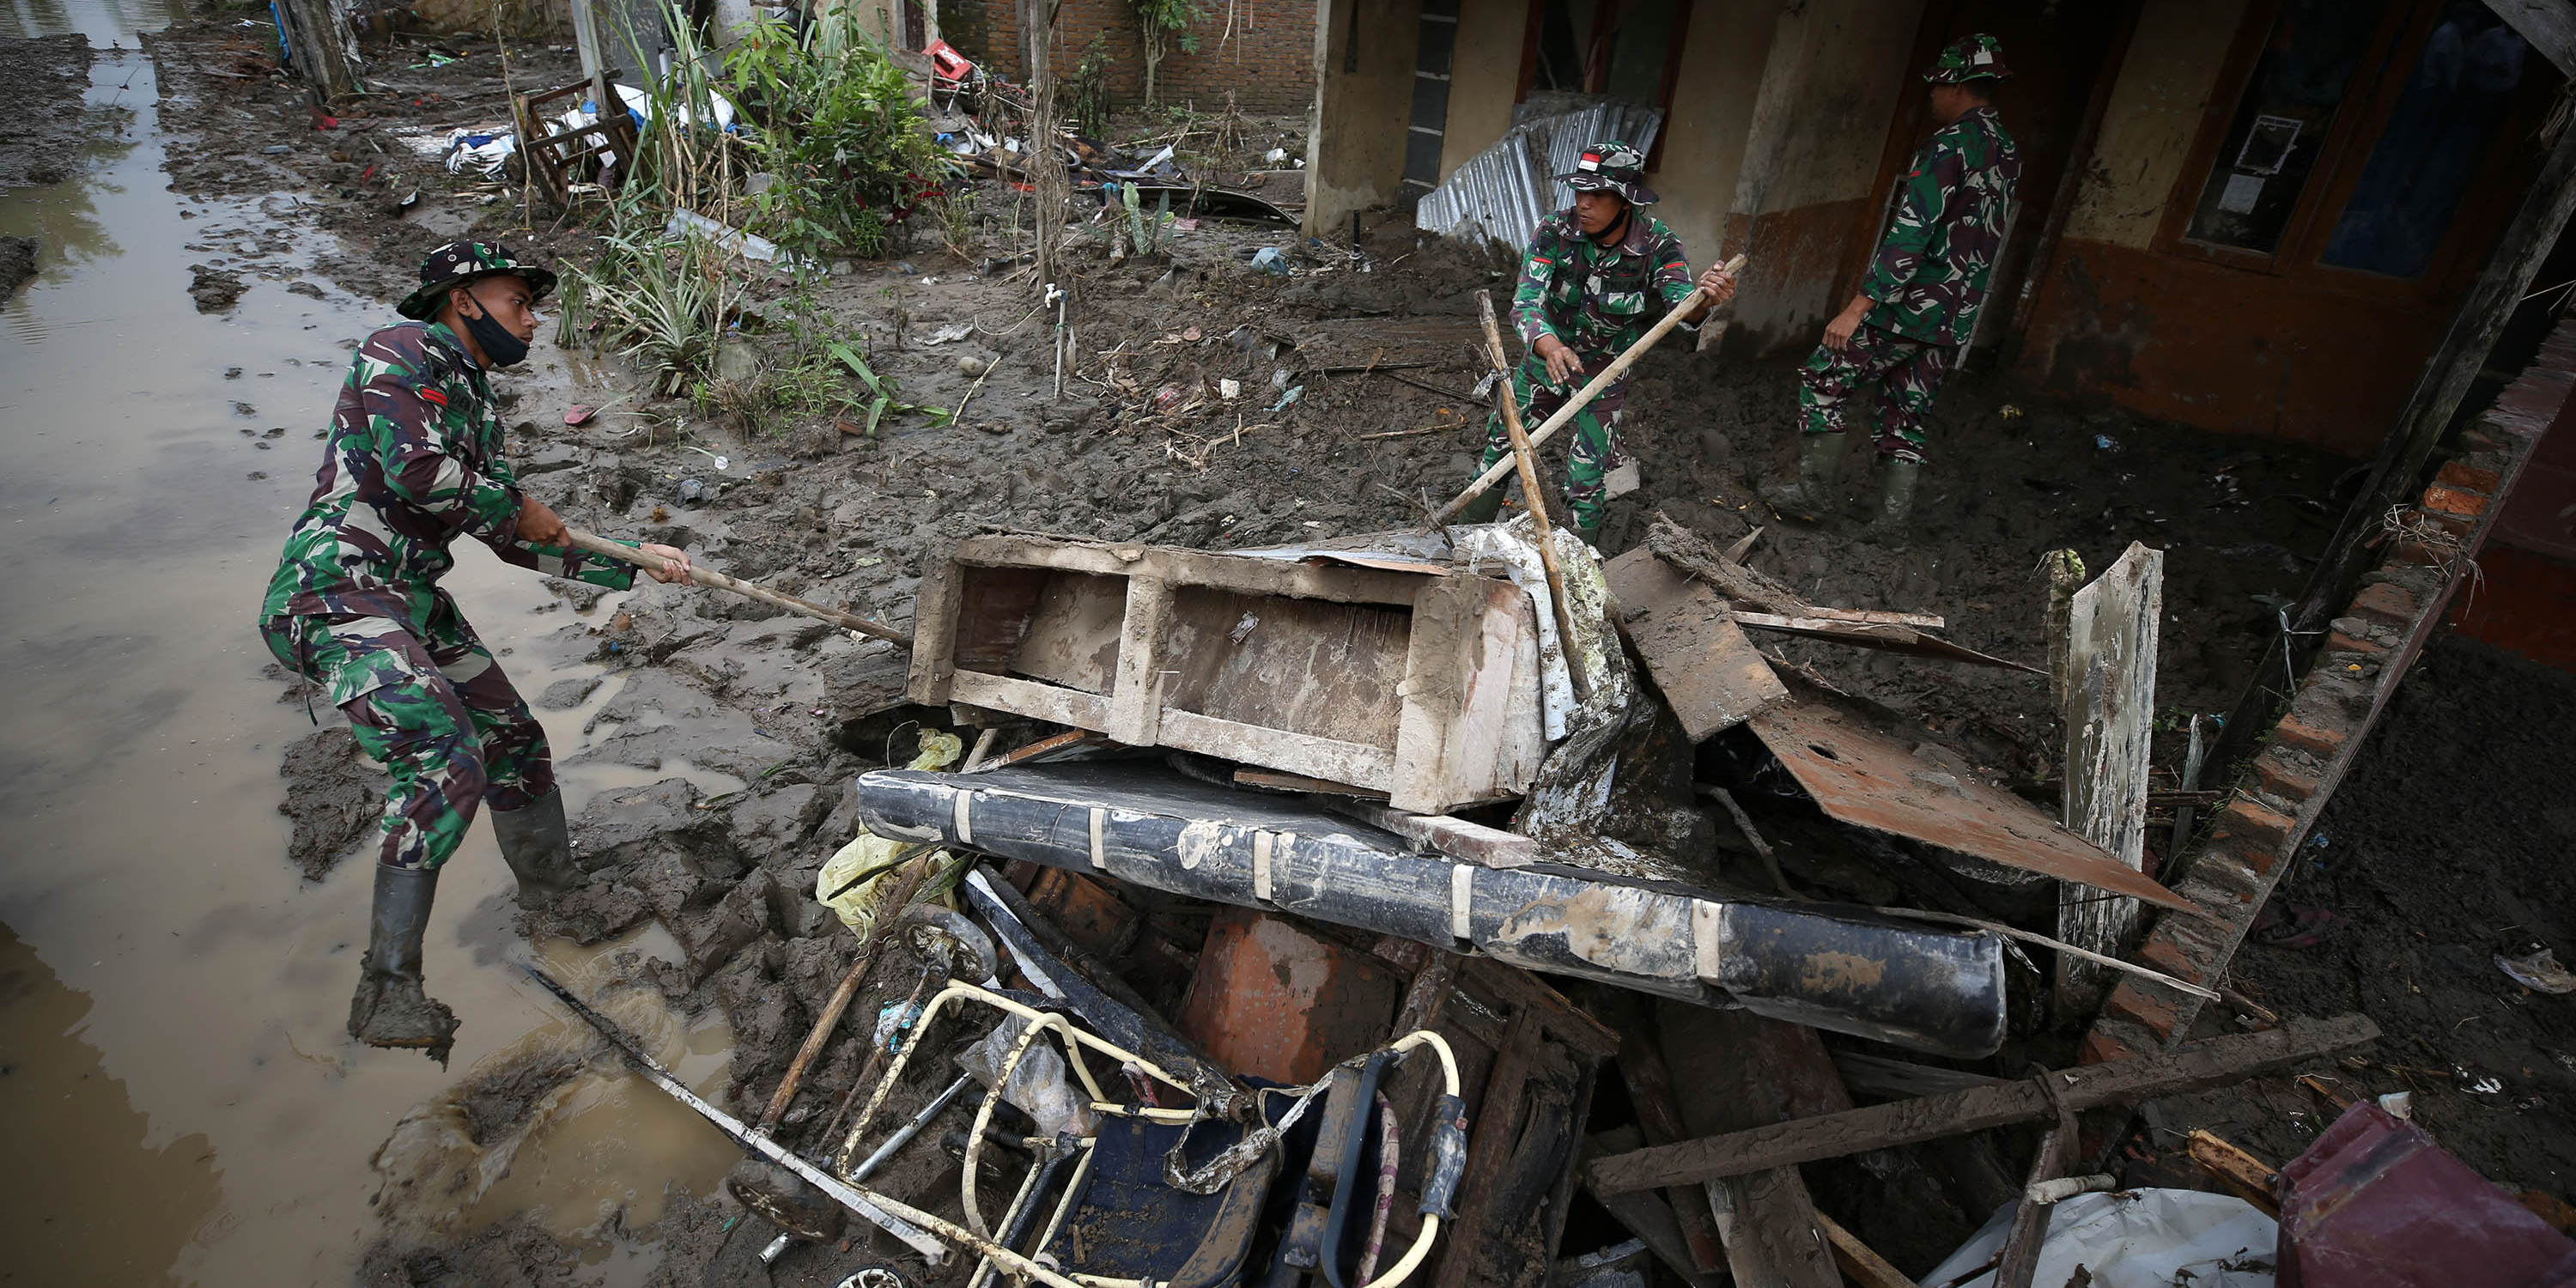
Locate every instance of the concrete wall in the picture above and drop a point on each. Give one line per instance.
(1484, 77)
(1361, 113)
(1803, 193)
(2155, 112)
(1704, 140)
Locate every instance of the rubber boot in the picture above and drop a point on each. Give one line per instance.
(538, 848)
(1896, 480)
(1487, 504)
(1590, 536)
(1811, 495)
(391, 1009)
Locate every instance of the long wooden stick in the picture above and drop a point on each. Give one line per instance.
(603, 546)
(1527, 460)
(907, 882)
(2195, 1066)
(1583, 397)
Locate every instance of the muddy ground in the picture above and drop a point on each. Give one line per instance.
(42, 81)
(1144, 445)
(2462, 790)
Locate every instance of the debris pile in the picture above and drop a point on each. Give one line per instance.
(1344, 910)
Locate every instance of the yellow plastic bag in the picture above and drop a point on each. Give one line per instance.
(874, 857)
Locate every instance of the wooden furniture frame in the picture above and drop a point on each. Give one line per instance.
(1401, 677)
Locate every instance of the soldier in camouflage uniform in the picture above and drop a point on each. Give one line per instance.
(414, 461)
(1597, 275)
(1919, 302)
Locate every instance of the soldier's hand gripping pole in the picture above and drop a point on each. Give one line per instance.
(602, 546)
(1527, 461)
(1591, 389)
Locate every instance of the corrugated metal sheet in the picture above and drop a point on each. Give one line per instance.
(1503, 191)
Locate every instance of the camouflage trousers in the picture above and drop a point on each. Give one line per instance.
(1595, 451)
(1908, 372)
(433, 707)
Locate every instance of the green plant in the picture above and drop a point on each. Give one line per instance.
(1086, 96)
(1162, 24)
(881, 401)
(955, 210)
(664, 305)
(1148, 234)
(840, 132)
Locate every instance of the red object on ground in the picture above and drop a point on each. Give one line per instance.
(946, 63)
(2376, 1204)
(1272, 1001)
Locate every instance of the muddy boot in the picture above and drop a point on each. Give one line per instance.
(1590, 536)
(390, 1009)
(538, 848)
(1487, 504)
(1896, 481)
(1811, 495)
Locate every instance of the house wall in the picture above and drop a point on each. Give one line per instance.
(1705, 135)
(1263, 52)
(1484, 77)
(1810, 155)
(1363, 112)
(2187, 339)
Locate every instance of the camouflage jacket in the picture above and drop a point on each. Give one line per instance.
(414, 462)
(1930, 275)
(1598, 299)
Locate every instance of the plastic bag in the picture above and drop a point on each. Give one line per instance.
(1041, 1086)
(874, 856)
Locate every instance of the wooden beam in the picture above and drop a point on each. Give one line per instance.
(1877, 1075)
(2396, 476)
(1136, 695)
(1860, 1263)
(2249, 1176)
(2550, 26)
(1486, 847)
(1709, 673)
(1029, 698)
(1745, 1071)
(2109, 717)
(2197, 1066)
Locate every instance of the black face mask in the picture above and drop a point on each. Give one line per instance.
(498, 345)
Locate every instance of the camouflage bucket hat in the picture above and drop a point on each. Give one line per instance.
(1612, 166)
(1977, 57)
(461, 262)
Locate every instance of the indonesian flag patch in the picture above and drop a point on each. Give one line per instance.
(1590, 161)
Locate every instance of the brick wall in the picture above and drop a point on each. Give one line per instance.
(2367, 652)
(1268, 61)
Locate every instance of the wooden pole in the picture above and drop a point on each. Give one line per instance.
(597, 545)
(907, 882)
(2195, 1066)
(1527, 459)
(1591, 389)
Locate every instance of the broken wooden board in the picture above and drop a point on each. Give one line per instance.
(1887, 637)
(2194, 1066)
(1709, 673)
(1861, 777)
(1746, 1071)
(2109, 718)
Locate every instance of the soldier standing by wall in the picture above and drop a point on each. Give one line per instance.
(1919, 303)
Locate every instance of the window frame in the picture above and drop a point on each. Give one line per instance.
(2359, 123)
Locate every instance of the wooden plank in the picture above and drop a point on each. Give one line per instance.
(1343, 762)
(1437, 741)
(1659, 1120)
(1650, 1218)
(1486, 847)
(2109, 718)
(1858, 1260)
(1276, 781)
(2249, 1176)
(1709, 673)
(1885, 637)
(1136, 699)
(1766, 1218)
(1073, 634)
(1027, 698)
(2550, 26)
(1304, 665)
(934, 637)
(1245, 574)
(2196, 1066)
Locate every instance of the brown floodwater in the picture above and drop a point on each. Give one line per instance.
(179, 1101)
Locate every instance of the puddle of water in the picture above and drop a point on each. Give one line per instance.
(160, 961)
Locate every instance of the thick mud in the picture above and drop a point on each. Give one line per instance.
(705, 741)
(2462, 790)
